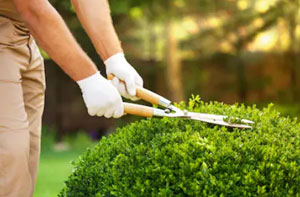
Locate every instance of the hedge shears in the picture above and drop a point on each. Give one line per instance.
(172, 111)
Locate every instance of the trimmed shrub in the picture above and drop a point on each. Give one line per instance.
(179, 157)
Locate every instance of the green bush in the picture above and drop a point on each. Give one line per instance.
(178, 157)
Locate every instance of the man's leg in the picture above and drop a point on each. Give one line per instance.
(33, 83)
(15, 178)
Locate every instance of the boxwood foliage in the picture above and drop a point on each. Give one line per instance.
(180, 157)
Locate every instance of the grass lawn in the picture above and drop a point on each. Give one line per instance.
(54, 169)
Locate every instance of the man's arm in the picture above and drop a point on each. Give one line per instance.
(49, 29)
(96, 20)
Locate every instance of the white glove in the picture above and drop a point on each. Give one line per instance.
(101, 97)
(122, 70)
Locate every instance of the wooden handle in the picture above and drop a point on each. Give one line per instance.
(144, 94)
(138, 110)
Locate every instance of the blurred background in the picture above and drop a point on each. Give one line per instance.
(244, 51)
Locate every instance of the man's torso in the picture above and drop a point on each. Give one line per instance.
(8, 10)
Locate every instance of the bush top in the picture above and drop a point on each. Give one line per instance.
(179, 157)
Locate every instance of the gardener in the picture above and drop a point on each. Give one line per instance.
(22, 80)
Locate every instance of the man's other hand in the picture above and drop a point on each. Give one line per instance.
(122, 70)
(101, 97)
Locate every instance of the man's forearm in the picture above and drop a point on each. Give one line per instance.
(96, 20)
(53, 36)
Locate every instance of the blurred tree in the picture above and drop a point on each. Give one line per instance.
(292, 13)
(237, 24)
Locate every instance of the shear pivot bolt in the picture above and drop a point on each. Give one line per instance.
(167, 111)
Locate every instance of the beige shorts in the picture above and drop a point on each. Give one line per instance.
(22, 86)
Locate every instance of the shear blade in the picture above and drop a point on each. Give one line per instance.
(222, 123)
(216, 117)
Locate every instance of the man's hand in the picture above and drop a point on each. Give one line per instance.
(100, 97)
(122, 70)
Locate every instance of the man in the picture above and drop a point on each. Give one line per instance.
(22, 81)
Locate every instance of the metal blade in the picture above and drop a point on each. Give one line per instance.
(221, 122)
(209, 118)
(215, 117)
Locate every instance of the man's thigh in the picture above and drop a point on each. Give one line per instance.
(33, 84)
(15, 178)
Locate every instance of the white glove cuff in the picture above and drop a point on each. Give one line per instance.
(90, 81)
(116, 59)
